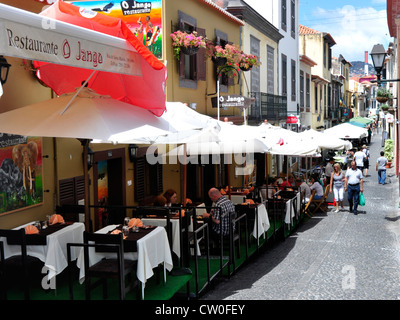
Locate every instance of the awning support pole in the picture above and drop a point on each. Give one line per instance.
(77, 92)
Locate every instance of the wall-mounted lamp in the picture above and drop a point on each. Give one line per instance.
(90, 158)
(4, 68)
(133, 148)
(378, 55)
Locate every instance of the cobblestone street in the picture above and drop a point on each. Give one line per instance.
(331, 256)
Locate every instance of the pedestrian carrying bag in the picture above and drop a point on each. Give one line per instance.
(362, 199)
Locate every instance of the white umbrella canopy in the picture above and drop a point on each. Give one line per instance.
(232, 139)
(90, 116)
(287, 142)
(347, 131)
(186, 125)
(326, 141)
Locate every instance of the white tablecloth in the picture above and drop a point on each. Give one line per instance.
(261, 225)
(54, 254)
(162, 222)
(291, 212)
(152, 250)
(236, 198)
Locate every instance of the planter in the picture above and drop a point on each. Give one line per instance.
(391, 110)
(190, 50)
(219, 62)
(245, 69)
(388, 164)
(382, 99)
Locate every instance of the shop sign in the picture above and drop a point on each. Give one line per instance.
(234, 100)
(50, 41)
(292, 119)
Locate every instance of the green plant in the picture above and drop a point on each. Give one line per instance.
(388, 149)
(248, 61)
(384, 107)
(183, 39)
(383, 92)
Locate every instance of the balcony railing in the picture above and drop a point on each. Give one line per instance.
(268, 106)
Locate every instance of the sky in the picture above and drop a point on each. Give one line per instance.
(356, 26)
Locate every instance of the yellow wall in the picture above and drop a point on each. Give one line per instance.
(203, 14)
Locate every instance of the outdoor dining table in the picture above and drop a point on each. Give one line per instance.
(50, 246)
(149, 247)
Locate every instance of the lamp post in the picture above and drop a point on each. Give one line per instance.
(378, 55)
(4, 68)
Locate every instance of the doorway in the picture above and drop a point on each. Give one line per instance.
(109, 187)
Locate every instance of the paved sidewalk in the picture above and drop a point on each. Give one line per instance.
(331, 256)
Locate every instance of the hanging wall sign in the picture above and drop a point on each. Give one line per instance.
(235, 101)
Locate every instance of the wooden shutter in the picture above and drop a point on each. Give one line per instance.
(140, 172)
(181, 55)
(156, 179)
(201, 58)
(71, 190)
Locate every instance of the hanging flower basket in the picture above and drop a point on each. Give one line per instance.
(188, 43)
(219, 61)
(190, 50)
(382, 99)
(245, 69)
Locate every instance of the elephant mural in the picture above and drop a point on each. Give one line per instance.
(25, 158)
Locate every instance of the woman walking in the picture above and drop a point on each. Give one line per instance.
(337, 185)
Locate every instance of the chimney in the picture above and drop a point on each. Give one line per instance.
(366, 63)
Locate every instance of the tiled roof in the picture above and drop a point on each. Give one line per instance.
(307, 30)
(223, 11)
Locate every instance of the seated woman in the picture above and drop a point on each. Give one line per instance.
(171, 197)
(272, 187)
(316, 185)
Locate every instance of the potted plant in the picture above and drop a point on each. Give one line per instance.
(383, 95)
(188, 43)
(384, 108)
(248, 61)
(388, 149)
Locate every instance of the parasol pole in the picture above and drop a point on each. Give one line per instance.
(77, 92)
(184, 175)
(85, 144)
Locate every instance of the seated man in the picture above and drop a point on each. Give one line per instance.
(303, 187)
(219, 219)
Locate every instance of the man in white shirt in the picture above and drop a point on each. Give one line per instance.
(303, 187)
(353, 184)
(359, 159)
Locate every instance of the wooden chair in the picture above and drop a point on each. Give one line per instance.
(26, 265)
(116, 268)
(307, 209)
(320, 203)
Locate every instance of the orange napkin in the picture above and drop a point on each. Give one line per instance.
(116, 231)
(56, 218)
(135, 222)
(31, 229)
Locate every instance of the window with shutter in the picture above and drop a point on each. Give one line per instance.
(148, 179)
(71, 190)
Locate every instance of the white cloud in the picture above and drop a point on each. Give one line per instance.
(354, 30)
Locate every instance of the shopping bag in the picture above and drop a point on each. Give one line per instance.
(362, 199)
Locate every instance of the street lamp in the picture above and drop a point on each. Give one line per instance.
(378, 55)
(4, 68)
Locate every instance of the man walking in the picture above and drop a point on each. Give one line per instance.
(381, 168)
(353, 184)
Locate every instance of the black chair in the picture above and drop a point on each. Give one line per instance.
(23, 264)
(115, 268)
